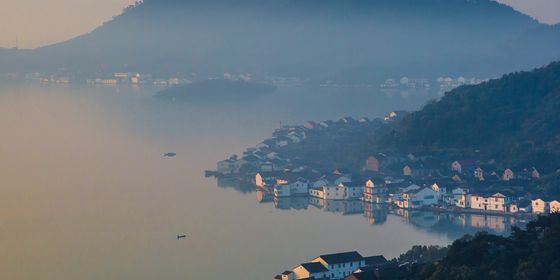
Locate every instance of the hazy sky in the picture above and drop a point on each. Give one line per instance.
(40, 22)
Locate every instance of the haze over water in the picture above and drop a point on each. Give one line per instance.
(86, 193)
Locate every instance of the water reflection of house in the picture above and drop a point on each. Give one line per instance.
(496, 223)
(264, 197)
(286, 203)
(423, 219)
(345, 207)
(375, 214)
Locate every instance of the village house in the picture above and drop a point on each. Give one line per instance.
(372, 164)
(512, 207)
(479, 174)
(312, 269)
(423, 197)
(353, 191)
(535, 174)
(495, 202)
(462, 200)
(375, 193)
(554, 206)
(462, 165)
(407, 171)
(341, 265)
(538, 206)
(295, 188)
(508, 175)
(417, 198)
(335, 266)
(337, 192)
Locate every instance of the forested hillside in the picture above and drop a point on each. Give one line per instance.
(515, 118)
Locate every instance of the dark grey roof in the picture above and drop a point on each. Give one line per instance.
(314, 267)
(375, 260)
(342, 257)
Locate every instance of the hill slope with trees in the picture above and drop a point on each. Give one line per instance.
(515, 119)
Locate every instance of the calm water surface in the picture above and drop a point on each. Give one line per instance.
(86, 194)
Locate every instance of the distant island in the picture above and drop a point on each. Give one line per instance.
(217, 90)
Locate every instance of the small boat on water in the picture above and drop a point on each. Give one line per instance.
(181, 236)
(169, 154)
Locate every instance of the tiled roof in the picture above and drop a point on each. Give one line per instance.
(342, 257)
(314, 267)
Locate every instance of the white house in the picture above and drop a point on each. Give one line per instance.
(342, 264)
(333, 192)
(496, 202)
(423, 197)
(538, 206)
(317, 192)
(297, 187)
(373, 193)
(313, 269)
(554, 206)
(353, 191)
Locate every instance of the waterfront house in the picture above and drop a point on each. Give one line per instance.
(337, 192)
(423, 197)
(374, 193)
(317, 192)
(538, 206)
(341, 265)
(353, 191)
(512, 207)
(298, 187)
(495, 202)
(554, 206)
(460, 198)
(417, 198)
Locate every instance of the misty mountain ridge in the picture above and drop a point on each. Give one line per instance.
(341, 39)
